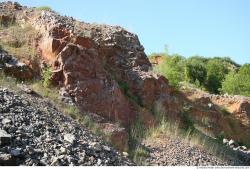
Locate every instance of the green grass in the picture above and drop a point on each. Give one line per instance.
(193, 137)
(136, 134)
(173, 129)
(139, 155)
(19, 41)
(8, 82)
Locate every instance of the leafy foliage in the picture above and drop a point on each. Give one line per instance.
(46, 75)
(216, 72)
(172, 69)
(205, 73)
(195, 71)
(238, 83)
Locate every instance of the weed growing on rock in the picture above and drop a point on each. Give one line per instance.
(125, 88)
(46, 75)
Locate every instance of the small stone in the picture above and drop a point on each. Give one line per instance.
(63, 150)
(37, 150)
(231, 142)
(210, 105)
(225, 141)
(125, 154)
(6, 121)
(236, 148)
(7, 160)
(54, 160)
(5, 138)
(61, 156)
(243, 148)
(106, 148)
(69, 138)
(96, 146)
(99, 161)
(16, 152)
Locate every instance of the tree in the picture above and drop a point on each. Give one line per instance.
(216, 72)
(195, 70)
(238, 83)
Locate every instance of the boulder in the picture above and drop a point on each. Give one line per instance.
(90, 85)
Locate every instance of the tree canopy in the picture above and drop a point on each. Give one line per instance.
(216, 75)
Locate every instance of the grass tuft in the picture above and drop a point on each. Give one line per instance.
(43, 8)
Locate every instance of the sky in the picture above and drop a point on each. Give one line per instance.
(188, 27)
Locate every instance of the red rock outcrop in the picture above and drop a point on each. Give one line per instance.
(106, 72)
(82, 73)
(221, 115)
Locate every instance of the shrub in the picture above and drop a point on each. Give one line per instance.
(172, 69)
(46, 75)
(43, 8)
(238, 83)
(140, 154)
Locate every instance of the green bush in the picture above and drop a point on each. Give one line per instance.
(172, 69)
(215, 75)
(238, 83)
(44, 8)
(46, 75)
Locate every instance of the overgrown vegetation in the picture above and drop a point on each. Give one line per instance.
(238, 83)
(217, 75)
(137, 152)
(43, 8)
(19, 40)
(172, 68)
(46, 77)
(167, 128)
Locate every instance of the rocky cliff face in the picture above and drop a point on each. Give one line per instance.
(105, 72)
(103, 68)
